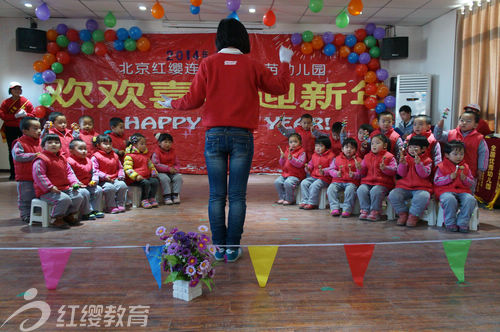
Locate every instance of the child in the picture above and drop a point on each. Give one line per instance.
(415, 182)
(385, 122)
(362, 139)
(166, 163)
(119, 143)
(56, 124)
(311, 186)
(24, 150)
(109, 169)
(452, 184)
(482, 126)
(344, 173)
(405, 126)
(422, 126)
(85, 131)
(377, 170)
(55, 183)
(335, 138)
(140, 170)
(292, 162)
(87, 177)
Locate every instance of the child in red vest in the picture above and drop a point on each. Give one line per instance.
(385, 123)
(345, 176)
(482, 126)
(377, 170)
(310, 187)
(422, 126)
(84, 171)
(140, 170)
(292, 162)
(335, 138)
(109, 169)
(24, 150)
(452, 184)
(415, 170)
(85, 131)
(55, 183)
(57, 124)
(118, 141)
(166, 163)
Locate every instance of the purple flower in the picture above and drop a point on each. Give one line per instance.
(202, 246)
(192, 260)
(192, 235)
(174, 230)
(160, 231)
(185, 252)
(179, 235)
(177, 268)
(211, 273)
(194, 282)
(205, 265)
(204, 238)
(173, 248)
(190, 270)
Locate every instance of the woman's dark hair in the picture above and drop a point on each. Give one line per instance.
(54, 115)
(135, 138)
(419, 140)
(164, 137)
(324, 140)
(384, 140)
(232, 33)
(350, 141)
(50, 137)
(453, 145)
(101, 138)
(296, 135)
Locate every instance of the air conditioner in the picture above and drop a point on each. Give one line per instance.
(413, 90)
(206, 26)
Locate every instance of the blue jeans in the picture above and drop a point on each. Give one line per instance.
(349, 195)
(452, 202)
(286, 187)
(371, 197)
(419, 200)
(233, 147)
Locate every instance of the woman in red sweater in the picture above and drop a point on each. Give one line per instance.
(226, 88)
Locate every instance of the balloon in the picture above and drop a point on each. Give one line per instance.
(63, 57)
(38, 79)
(390, 101)
(110, 35)
(91, 25)
(62, 41)
(40, 66)
(40, 111)
(48, 76)
(307, 36)
(374, 52)
(269, 18)
(110, 20)
(100, 49)
(51, 35)
(379, 33)
(371, 102)
(370, 89)
(374, 64)
(344, 51)
(45, 99)
(233, 5)
(143, 44)
(374, 123)
(370, 41)
(317, 43)
(73, 47)
(62, 29)
(370, 77)
(85, 35)
(360, 34)
(98, 36)
(316, 5)
(364, 58)
(42, 12)
(57, 67)
(130, 45)
(52, 47)
(122, 34)
(355, 7)
(87, 47)
(350, 40)
(157, 11)
(118, 45)
(382, 74)
(73, 35)
(359, 48)
(195, 10)
(370, 27)
(361, 70)
(342, 20)
(352, 57)
(296, 38)
(135, 33)
(327, 37)
(380, 108)
(306, 48)
(329, 49)
(339, 39)
(233, 15)
(49, 58)
(196, 3)
(382, 91)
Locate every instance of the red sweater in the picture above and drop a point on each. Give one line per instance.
(324, 160)
(56, 172)
(444, 169)
(336, 146)
(118, 142)
(9, 108)
(308, 140)
(391, 135)
(374, 175)
(294, 167)
(164, 160)
(66, 137)
(432, 143)
(137, 163)
(360, 152)
(471, 142)
(87, 137)
(227, 86)
(107, 164)
(483, 127)
(343, 165)
(413, 176)
(24, 170)
(83, 169)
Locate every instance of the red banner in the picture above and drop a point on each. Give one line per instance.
(129, 84)
(488, 187)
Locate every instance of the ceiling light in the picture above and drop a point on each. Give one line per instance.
(142, 7)
(27, 4)
(251, 10)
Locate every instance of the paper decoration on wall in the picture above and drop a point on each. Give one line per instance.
(358, 256)
(53, 262)
(456, 252)
(153, 254)
(262, 260)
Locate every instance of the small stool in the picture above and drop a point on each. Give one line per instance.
(473, 222)
(134, 194)
(323, 201)
(39, 212)
(428, 215)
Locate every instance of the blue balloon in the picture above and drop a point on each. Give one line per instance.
(233, 15)
(122, 34)
(350, 40)
(195, 10)
(38, 78)
(353, 57)
(329, 49)
(380, 108)
(85, 35)
(119, 45)
(134, 32)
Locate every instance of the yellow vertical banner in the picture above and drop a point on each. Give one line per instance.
(262, 260)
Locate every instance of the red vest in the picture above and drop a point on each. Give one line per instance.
(483, 127)
(289, 169)
(391, 135)
(359, 152)
(457, 186)
(109, 163)
(324, 160)
(65, 138)
(140, 161)
(117, 142)
(82, 168)
(336, 146)
(432, 143)
(56, 166)
(341, 160)
(24, 171)
(374, 175)
(87, 137)
(412, 181)
(307, 141)
(471, 142)
(166, 157)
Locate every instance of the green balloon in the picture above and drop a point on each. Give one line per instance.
(370, 41)
(98, 35)
(57, 67)
(110, 20)
(130, 44)
(45, 99)
(307, 36)
(342, 20)
(62, 41)
(374, 52)
(87, 47)
(316, 5)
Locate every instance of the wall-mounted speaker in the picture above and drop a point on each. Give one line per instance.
(394, 48)
(31, 40)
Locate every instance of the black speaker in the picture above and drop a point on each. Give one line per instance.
(394, 48)
(393, 84)
(31, 40)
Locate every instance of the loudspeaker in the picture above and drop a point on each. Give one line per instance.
(31, 40)
(393, 84)
(394, 48)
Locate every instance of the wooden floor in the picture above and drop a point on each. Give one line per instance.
(407, 286)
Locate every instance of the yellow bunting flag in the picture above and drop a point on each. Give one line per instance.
(262, 261)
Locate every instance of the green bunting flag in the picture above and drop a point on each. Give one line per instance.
(456, 252)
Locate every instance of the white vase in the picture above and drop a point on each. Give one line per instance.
(184, 292)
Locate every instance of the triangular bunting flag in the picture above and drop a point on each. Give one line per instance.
(154, 259)
(53, 263)
(456, 252)
(262, 260)
(358, 256)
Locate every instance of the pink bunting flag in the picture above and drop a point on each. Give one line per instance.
(358, 256)
(53, 263)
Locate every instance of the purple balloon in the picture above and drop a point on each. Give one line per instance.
(364, 58)
(62, 29)
(327, 37)
(233, 5)
(296, 39)
(379, 33)
(73, 48)
(42, 12)
(382, 74)
(370, 27)
(91, 25)
(49, 76)
(390, 101)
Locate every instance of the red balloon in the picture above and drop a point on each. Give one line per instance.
(360, 34)
(52, 47)
(371, 103)
(110, 35)
(100, 49)
(374, 64)
(370, 89)
(73, 35)
(63, 57)
(339, 39)
(361, 70)
(40, 111)
(269, 18)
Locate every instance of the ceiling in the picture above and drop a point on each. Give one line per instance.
(389, 12)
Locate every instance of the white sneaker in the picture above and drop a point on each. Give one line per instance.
(177, 199)
(168, 201)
